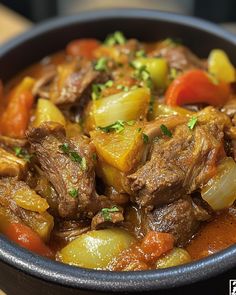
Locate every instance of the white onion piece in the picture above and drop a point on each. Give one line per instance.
(220, 191)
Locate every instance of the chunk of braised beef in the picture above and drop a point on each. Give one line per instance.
(230, 107)
(72, 84)
(182, 163)
(68, 165)
(180, 218)
(68, 230)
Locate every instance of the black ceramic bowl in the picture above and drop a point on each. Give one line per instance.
(22, 272)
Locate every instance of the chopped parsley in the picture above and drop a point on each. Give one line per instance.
(117, 126)
(165, 130)
(139, 129)
(73, 155)
(65, 148)
(115, 38)
(108, 84)
(145, 138)
(151, 104)
(98, 88)
(192, 122)
(122, 87)
(141, 73)
(73, 193)
(140, 53)
(101, 64)
(17, 150)
(96, 91)
(22, 153)
(106, 212)
(126, 88)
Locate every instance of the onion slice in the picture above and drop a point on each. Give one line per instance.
(220, 191)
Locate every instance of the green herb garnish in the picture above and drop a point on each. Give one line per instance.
(106, 212)
(145, 138)
(101, 64)
(151, 104)
(126, 88)
(141, 73)
(65, 148)
(22, 153)
(192, 122)
(115, 38)
(108, 84)
(73, 193)
(140, 53)
(98, 88)
(96, 91)
(17, 150)
(122, 87)
(73, 155)
(117, 126)
(165, 130)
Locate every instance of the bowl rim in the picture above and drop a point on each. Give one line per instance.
(71, 276)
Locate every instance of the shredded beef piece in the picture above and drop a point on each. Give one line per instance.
(73, 180)
(73, 87)
(230, 107)
(68, 230)
(180, 218)
(183, 163)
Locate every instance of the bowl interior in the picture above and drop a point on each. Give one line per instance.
(52, 36)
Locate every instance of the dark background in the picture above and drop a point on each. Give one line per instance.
(37, 10)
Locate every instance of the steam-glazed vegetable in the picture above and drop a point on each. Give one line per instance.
(120, 148)
(46, 111)
(125, 106)
(27, 238)
(96, 249)
(197, 86)
(165, 110)
(220, 66)
(29, 200)
(15, 118)
(156, 67)
(120, 155)
(175, 257)
(220, 191)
